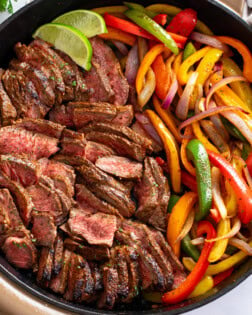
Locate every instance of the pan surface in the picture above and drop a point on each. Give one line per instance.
(19, 27)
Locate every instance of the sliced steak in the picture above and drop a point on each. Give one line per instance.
(87, 288)
(120, 167)
(104, 56)
(62, 114)
(58, 254)
(97, 276)
(120, 262)
(94, 150)
(43, 229)
(73, 143)
(96, 229)
(7, 110)
(44, 273)
(70, 160)
(20, 170)
(124, 116)
(14, 140)
(110, 284)
(72, 275)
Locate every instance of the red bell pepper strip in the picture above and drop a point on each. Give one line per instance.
(222, 276)
(189, 181)
(185, 289)
(183, 23)
(134, 29)
(161, 19)
(249, 163)
(241, 189)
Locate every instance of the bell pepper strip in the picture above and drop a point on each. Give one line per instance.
(220, 246)
(206, 284)
(153, 28)
(145, 65)
(189, 248)
(153, 297)
(115, 34)
(232, 130)
(201, 137)
(222, 276)
(207, 64)
(187, 164)
(241, 189)
(187, 287)
(148, 89)
(178, 218)
(242, 89)
(173, 200)
(176, 65)
(184, 70)
(249, 163)
(215, 215)
(220, 266)
(183, 23)
(189, 50)
(172, 11)
(189, 181)
(196, 152)
(110, 9)
(246, 150)
(167, 118)
(162, 77)
(170, 147)
(137, 6)
(230, 199)
(243, 50)
(160, 19)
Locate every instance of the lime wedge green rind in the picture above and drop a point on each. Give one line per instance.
(69, 40)
(88, 22)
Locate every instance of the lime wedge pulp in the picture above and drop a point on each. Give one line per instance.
(69, 40)
(88, 22)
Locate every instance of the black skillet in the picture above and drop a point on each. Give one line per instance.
(19, 28)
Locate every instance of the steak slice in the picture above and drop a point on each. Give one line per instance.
(110, 284)
(20, 252)
(42, 126)
(72, 275)
(58, 254)
(62, 114)
(88, 282)
(14, 140)
(120, 167)
(94, 150)
(120, 263)
(69, 160)
(124, 116)
(105, 57)
(19, 169)
(86, 199)
(7, 110)
(73, 143)
(96, 229)
(44, 273)
(97, 276)
(43, 229)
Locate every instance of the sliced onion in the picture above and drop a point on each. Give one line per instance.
(207, 113)
(218, 123)
(240, 124)
(121, 47)
(148, 89)
(216, 191)
(220, 84)
(210, 41)
(187, 226)
(132, 65)
(242, 237)
(148, 127)
(142, 47)
(198, 241)
(235, 229)
(245, 171)
(200, 103)
(242, 245)
(171, 93)
(183, 104)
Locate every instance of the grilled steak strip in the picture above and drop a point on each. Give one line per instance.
(58, 254)
(44, 273)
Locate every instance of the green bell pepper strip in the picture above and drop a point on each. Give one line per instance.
(188, 51)
(196, 152)
(153, 28)
(189, 248)
(173, 200)
(246, 150)
(139, 7)
(233, 130)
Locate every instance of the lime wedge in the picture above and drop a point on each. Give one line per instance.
(69, 40)
(88, 22)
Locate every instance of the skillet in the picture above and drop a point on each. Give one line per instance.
(19, 27)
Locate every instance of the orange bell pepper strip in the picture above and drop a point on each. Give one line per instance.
(243, 50)
(201, 137)
(162, 77)
(115, 34)
(145, 65)
(167, 118)
(187, 164)
(178, 218)
(170, 147)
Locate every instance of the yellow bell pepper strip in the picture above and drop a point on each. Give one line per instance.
(230, 199)
(187, 164)
(115, 34)
(167, 118)
(206, 284)
(178, 218)
(242, 89)
(145, 65)
(110, 9)
(206, 65)
(184, 70)
(221, 266)
(170, 147)
(172, 10)
(200, 136)
(220, 246)
(189, 284)
(176, 65)
(244, 51)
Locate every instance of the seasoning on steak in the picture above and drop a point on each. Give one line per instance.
(7, 110)
(43, 229)
(94, 150)
(44, 273)
(120, 167)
